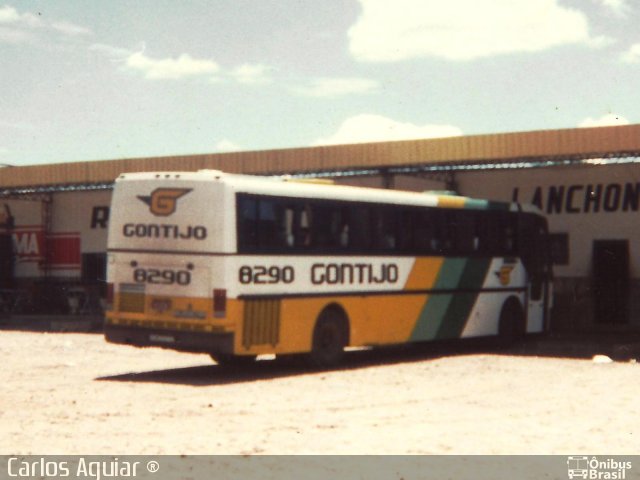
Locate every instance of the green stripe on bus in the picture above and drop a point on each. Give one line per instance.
(431, 317)
(475, 204)
(502, 206)
(445, 315)
(457, 315)
(434, 310)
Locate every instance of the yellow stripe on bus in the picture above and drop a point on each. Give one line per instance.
(424, 273)
(451, 202)
(390, 319)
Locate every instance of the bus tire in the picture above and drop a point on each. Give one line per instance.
(330, 337)
(511, 325)
(233, 361)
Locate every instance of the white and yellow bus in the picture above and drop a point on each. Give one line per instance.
(238, 266)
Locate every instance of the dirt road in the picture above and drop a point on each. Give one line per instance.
(75, 394)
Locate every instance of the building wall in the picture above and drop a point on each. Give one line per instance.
(588, 204)
(575, 143)
(28, 235)
(79, 222)
(52, 233)
(412, 183)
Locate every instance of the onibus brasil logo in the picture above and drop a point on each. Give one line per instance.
(595, 468)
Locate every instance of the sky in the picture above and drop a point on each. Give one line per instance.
(83, 80)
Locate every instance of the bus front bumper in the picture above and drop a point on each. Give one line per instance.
(186, 341)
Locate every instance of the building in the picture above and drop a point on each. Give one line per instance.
(587, 182)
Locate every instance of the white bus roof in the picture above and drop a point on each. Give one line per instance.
(290, 187)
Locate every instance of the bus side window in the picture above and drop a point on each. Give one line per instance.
(343, 228)
(485, 234)
(275, 224)
(407, 230)
(510, 235)
(384, 229)
(268, 234)
(247, 223)
(289, 217)
(425, 232)
(303, 231)
(498, 234)
(443, 232)
(329, 230)
(359, 227)
(464, 232)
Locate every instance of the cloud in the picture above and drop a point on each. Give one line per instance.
(16, 27)
(619, 7)
(334, 87)
(462, 30)
(610, 119)
(10, 16)
(632, 55)
(111, 51)
(15, 36)
(70, 29)
(376, 128)
(184, 66)
(170, 68)
(16, 125)
(249, 74)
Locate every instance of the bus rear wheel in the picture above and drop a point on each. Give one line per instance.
(330, 337)
(511, 326)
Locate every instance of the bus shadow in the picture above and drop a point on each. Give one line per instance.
(208, 375)
(617, 347)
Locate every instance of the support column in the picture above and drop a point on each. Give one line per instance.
(388, 179)
(451, 183)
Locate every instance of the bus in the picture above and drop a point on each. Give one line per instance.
(238, 266)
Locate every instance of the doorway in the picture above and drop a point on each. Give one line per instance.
(611, 281)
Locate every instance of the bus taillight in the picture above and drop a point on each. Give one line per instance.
(219, 302)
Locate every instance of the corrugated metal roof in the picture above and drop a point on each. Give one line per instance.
(567, 144)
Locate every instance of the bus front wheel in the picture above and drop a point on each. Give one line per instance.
(511, 326)
(330, 337)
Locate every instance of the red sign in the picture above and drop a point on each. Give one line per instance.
(28, 244)
(58, 250)
(63, 250)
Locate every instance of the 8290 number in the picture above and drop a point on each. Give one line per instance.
(260, 274)
(162, 277)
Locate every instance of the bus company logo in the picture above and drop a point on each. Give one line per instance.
(163, 201)
(504, 274)
(594, 468)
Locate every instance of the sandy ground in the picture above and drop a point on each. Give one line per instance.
(66, 393)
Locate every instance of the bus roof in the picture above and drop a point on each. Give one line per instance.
(288, 187)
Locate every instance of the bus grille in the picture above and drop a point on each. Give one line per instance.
(261, 324)
(131, 298)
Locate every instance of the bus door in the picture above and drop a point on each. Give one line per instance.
(536, 259)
